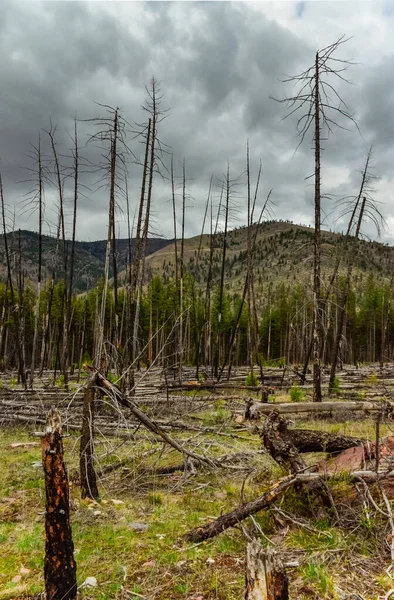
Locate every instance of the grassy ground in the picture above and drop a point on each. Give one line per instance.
(333, 559)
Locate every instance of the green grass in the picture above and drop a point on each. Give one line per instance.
(157, 561)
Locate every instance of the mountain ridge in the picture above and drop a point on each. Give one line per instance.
(284, 253)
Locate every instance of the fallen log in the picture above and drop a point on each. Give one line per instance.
(212, 529)
(226, 461)
(307, 440)
(265, 576)
(256, 409)
(277, 438)
(199, 534)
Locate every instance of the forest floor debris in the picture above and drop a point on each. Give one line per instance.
(142, 530)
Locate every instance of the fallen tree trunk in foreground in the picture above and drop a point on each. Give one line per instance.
(265, 575)
(59, 565)
(205, 532)
(199, 534)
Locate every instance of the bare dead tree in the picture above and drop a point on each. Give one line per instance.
(367, 208)
(227, 188)
(320, 105)
(156, 114)
(86, 456)
(58, 173)
(33, 204)
(135, 269)
(246, 289)
(111, 135)
(15, 303)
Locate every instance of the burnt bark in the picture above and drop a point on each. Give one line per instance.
(282, 443)
(199, 534)
(278, 441)
(306, 440)
(86, 458)
(59, 565)
(265, 575)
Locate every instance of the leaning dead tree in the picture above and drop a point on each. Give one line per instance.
(318, 105)
(118, 397)
(59, 566)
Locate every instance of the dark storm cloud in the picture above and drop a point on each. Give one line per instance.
(219, 64)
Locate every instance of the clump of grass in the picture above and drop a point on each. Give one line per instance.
(318, 575)
(216, 417)
(155, 499)
(296, 393)
(372, 379)
(336, 388)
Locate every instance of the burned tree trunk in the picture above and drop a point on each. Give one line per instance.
(277, 440)
(59, 567)
(266, 577)
(306, 440)
(86, 458)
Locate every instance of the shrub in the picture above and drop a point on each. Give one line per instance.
(336, 388)
(372, 379)
(251, 380)
(296, 393)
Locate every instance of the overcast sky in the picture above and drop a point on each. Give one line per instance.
(219, 64)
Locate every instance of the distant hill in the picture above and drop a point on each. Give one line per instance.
(89, 256)
(284, 253)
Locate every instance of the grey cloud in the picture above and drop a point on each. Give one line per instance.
(218, 63)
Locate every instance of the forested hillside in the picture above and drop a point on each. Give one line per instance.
(89, 256)
(283, 254)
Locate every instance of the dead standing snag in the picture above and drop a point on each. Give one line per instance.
(86, 457)
(59, 567)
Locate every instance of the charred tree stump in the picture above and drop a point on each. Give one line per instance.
(266, 391)
(279, 443)
(86, 457)
(277, 440)
(265, 576)
(60, 569)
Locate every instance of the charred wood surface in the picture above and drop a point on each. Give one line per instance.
(59, 565)
(307, 440)
(278, 441)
